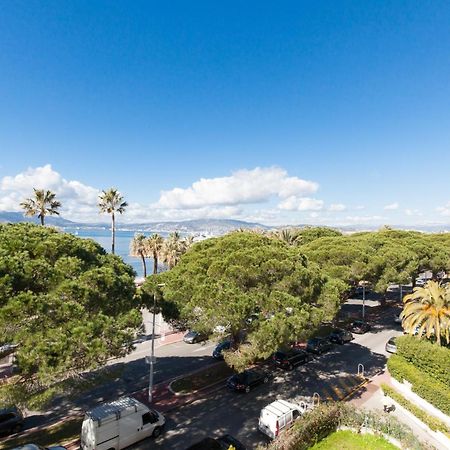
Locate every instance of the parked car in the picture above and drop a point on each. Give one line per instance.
(318, 345)
(247, 380)
(120, 423)
(340, 336)
(217, 353)
(391, 346)
(224, 442)
(38, 447)
(360, 327)
(289, 359)
(192, 337)
(11, 421)
(278, 416)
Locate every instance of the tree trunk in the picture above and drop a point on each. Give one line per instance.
(113, 233)
(155, 263)
(42, 219)
(144, 266)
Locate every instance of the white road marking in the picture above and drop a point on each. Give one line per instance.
(203, 348)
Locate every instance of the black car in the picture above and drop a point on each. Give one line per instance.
(247, 380)
(318, 345)
(289, 359)
(191, 337)
(360, 327)
(224, 442)
(217, 353)
(11, 421)
(340, 336)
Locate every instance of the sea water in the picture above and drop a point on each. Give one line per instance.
(122, 247)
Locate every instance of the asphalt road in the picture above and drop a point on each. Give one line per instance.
(237, 414)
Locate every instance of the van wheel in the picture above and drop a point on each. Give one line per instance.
(156, 432)
(247, 389)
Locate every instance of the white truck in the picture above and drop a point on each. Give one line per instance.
(118, 424)
(278, 416)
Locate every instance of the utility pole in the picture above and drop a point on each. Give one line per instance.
(152, 355)
(364, 301)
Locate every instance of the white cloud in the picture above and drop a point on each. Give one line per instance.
(294, 203)
(337, 207)
(413, 212)
(241, 187)
(79, 200)
(444, 210)
(391, 206)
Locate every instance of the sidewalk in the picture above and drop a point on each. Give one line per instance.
(371, 398)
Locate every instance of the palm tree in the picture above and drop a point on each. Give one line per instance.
(111, 201)
(172, 249)
(154, 244)
(427, 310)
(42, 204)
(138, 248)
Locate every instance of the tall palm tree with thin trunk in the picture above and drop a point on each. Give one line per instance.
(138, 248)
(172, 249)
(43, 203)
(427, 310)
(111, 201)
(154, 245)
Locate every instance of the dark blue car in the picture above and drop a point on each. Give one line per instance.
(217, 353)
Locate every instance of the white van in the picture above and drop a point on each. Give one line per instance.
(278, 416)
(118, 424)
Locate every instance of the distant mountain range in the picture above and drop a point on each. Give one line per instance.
(200, 226)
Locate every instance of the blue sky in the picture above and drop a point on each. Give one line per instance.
(251, 97)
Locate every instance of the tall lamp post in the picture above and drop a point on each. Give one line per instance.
(364, 284)
(152, 355)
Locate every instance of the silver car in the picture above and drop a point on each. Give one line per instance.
(391, 347)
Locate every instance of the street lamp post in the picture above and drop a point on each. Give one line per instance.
(364, 302)
(152, 355)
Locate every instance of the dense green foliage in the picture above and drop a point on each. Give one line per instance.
(426, 356)
(245, 281)
(434, 423)
(425, 386)
(382, 257)
(323, 420)
(68, 304)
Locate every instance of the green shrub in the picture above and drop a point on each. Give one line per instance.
(434, 423)
(427, 356)
(430, 389)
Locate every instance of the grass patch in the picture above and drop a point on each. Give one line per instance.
(202, 379)
(353, 441)
(57, 434)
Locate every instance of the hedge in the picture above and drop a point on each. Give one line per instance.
(425, 386)
(427, 356)
(434, 423)
(323, 420)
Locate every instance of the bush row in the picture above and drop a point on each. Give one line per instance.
(326, 418)
(434, 423)
(430, 389)
(429, 357)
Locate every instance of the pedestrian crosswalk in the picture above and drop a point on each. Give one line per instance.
(340, 388)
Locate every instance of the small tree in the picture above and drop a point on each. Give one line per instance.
(154, 245)
(111, 201)
(43, 203)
